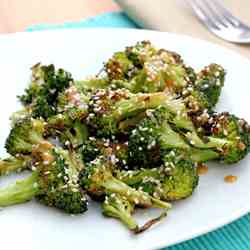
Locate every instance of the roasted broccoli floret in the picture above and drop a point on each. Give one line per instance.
(15, 164)
(119, 67)
(225, 134)
(116, 151)
(119, 207)
(151, 138)
(155, 135)
(71, 133)
(204, 93)
(24, 135)
(175, 179)
(107, 108)
(54, 182)
(98, 179)
(46, 84)
(73, 101)
(143, 68)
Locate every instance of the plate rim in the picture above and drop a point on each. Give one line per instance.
(201, 230)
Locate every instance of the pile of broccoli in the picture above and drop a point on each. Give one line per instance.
(129, 137)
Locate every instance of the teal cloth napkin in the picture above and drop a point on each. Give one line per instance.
(235, 236)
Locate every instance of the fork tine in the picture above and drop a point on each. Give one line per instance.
(217, 16)
(220, 21)
(225, 13)
(202, 14)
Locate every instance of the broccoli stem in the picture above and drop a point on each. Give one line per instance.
(19, 192)
(122, 215)
(203, 155)
(211, 142)
(170, 139)
(138, 197)
(151, 222)
(138, 103)
(12, 164)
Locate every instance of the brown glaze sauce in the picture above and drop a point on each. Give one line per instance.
(202, 169)
(230, 178)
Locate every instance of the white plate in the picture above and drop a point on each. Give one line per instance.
(32, 226)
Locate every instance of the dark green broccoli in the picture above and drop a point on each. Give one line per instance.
(204, 93)
(113, 149)
(155, 134)
(45, 86)
(98, 179)
(225, 134)
(24, 135)
(71, 133)
(152, 137)
(54, 182)
(175, 179)
(119, 207)
(107, 108)
(15, 164)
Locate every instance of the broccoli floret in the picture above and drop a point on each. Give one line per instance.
(71, 133)
(73, 101)
(140, 52)
(181, 177)
(143, 68)
(18, 116)
(119, 67)
(117, 151)
(225, 134)
(90, 150)
(98, 179)
(175, 179)
(76, 135)
(46, 84)
(107, 108)
(210, 82)
(24, 135)
(204, 93)
(162, 71)
(152, 136)
(156, 134)
(54, 182)
(119, 207)
(15, 164)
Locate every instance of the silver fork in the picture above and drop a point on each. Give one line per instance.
(220, 21)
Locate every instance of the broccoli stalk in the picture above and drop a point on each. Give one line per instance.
(99, 180)
(54, 182)
(107, 109)
(14, 164)
(20, 192)
(118, 207)
(226, 135)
